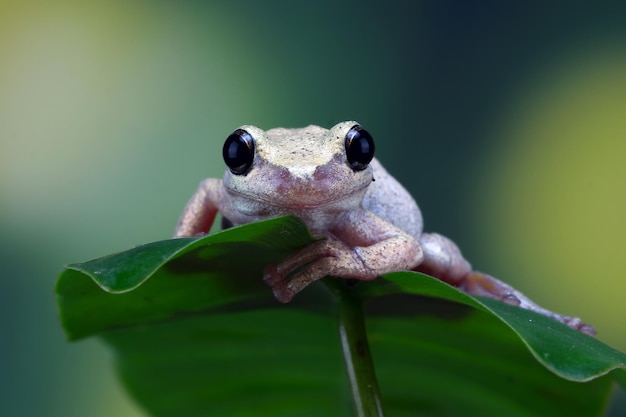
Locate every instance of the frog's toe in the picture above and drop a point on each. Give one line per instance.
(283, 293)
(271, 276)
(587, 329)
(510, 298)
(578, 324)
(280, 287)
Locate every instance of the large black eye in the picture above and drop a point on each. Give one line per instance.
(359, 148)
(239, 152)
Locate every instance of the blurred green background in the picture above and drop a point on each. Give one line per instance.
(506, 122)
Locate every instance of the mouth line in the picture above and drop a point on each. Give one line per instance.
(298, 205)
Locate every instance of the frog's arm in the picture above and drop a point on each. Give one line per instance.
(443, 260)
(199, 213)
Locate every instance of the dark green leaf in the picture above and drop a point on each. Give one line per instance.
(568, 353)
(162, 279)
(196, 332)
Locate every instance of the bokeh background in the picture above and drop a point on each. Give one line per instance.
(506, 122)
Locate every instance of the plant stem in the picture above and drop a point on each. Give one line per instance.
(357, 357)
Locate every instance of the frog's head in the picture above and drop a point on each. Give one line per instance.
(302, 168)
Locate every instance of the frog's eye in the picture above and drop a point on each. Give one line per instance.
(238, 152)
(359, 148)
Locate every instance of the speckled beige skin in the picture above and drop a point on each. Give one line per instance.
(370, 223)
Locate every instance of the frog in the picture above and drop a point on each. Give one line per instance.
(365, 223)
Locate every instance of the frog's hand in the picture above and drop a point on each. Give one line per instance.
(362, 247)
(334, 258)
(443, 260)
(199, 213)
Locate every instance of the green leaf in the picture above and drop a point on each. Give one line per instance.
(196, 332)
(168, 278)
(568, 353)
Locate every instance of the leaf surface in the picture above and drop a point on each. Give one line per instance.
(196, 332)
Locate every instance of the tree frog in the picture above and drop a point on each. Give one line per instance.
(369, 224)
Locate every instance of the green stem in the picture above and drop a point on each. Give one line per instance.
(357, 357)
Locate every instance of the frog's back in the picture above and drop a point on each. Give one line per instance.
(388, 199)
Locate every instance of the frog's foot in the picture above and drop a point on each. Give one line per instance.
(477, 283)
(443, 260)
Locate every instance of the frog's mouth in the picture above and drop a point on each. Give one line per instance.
(295, 199)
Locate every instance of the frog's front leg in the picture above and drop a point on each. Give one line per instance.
(362, 247)
(199, 213)
(443, 260)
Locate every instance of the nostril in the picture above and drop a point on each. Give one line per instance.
(284, 174)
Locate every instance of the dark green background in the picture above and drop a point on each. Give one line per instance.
(111, 112)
